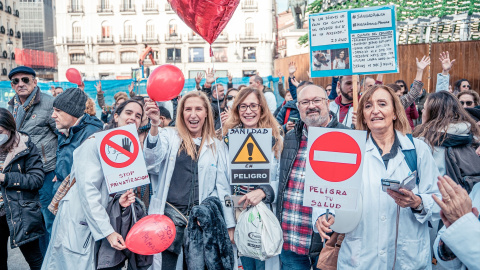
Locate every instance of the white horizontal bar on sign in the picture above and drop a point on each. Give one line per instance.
(337, 157)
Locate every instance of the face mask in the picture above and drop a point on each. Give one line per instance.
(3, 138)
(230, 103)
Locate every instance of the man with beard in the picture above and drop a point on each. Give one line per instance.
(296, 219)
(342, 106)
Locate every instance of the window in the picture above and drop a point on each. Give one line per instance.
(128, 30)
(171, 54)
(106, 58)
(150, 4)
(155, 57)
(150, 30)
(104, 4)
(249, 54)
(76, 31)
(127, 4)
(77, 58)
(196, 55)
(249, 27)
(172, 28)
(76, 4)
(106, 30)
(220, 54)
(128, 57)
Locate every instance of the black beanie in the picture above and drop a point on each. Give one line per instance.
(72, 101)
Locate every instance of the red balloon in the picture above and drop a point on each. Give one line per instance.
(74, 76)
(165, 83)
(151, 235)
(207, 18)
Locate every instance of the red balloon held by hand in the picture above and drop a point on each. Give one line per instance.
(74, 76)
(165, 83)
(151, 235)
(207, 18)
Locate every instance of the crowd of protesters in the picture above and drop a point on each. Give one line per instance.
(55, 205)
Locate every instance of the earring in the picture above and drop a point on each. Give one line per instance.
(394, 118)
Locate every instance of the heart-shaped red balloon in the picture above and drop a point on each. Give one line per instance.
(151, 235)
(207, 18)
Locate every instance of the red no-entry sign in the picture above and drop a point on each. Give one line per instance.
(132, 156)
(335, 156)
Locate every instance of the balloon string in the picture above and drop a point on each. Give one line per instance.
(216, 90)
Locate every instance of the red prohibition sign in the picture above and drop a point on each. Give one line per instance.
(131, 156)
(335, 156)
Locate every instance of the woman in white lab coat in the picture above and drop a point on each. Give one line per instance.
(393, 230)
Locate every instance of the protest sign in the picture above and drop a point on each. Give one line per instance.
(334, 168)
(250, 151)
(122, 158)
(356, 41)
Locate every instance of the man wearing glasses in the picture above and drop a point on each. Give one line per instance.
(32, 111)
(296, 219)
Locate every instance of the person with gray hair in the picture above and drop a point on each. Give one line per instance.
(257, 82)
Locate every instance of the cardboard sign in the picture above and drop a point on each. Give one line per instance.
(122, 158)
(334, 168)
(356, 41)
(250, 151)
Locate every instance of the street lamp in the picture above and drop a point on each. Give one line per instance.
(10, 48)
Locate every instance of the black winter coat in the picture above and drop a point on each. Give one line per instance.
(23, 178)
(291, 144)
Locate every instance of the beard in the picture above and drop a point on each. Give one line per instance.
(315, 120)
(346, 95)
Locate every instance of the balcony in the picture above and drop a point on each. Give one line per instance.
(249, 37)
(222, 38)
(168, 8)
(77, 61)
(75, 41)
(16, 13)
(249, 5)
(105, 40)
(150, 9)
(128, 40)
(173, 38)
(195, 39)
(106, 61)
(9, 9)
(74, 9)
(150, 39)
(105, 9)
(127, 9)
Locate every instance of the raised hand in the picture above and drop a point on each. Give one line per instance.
(446, 62)
(210, 77)
(422, 64)
(131, 87)
(152, 112)
(98, 86)
(292, 68)
(279, 74)
(230, 77)
(199, 78)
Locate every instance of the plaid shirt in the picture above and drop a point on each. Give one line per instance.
(296, 218)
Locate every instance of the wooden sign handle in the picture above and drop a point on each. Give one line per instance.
(355, 92)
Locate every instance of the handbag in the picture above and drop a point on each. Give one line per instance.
(181, 222)
(329, 255)
(63, 189)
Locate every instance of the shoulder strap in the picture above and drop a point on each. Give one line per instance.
(411, 157)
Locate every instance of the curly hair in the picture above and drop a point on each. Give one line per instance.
(90, 107)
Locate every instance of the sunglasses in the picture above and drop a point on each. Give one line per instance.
(25, 80)
(468, 103)
(466, 86)
(230, 97)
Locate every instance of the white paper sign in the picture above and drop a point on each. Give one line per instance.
(371, 19)
(250, 151)
(122, 158)
(373, 51)
(334, 168)
(329, 29)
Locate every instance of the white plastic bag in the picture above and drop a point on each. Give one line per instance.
(258, 233)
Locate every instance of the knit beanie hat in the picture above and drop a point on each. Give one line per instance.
(72, 101)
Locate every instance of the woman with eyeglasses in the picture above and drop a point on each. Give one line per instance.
(461, 85)
(468, 99)
(250, 110)
(227, 103)
(446, 124)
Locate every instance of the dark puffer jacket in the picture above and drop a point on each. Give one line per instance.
(23, 178)
(289, 106)
(289, 154)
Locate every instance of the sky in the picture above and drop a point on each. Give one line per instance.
(282, 5)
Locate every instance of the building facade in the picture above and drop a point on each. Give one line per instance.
(10, 36)
(38, 31)
(105, 38)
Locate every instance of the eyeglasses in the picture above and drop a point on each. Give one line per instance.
(315, 102)
(16, 81)
(466, 86)
(230, 97)
(253, 107)
(468, 103)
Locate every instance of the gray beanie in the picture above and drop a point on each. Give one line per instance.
(72, 101)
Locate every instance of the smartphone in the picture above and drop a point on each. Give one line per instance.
(407, 183)
(293, 120)
(235, 199)
(390, 184)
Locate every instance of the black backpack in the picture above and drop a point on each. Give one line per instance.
(462, 164)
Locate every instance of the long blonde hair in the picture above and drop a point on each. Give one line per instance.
(208, 129)
(266, 117)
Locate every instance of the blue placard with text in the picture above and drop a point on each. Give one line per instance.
(352, 42)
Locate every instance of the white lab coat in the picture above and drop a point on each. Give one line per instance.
(371, 245)
(463, 238)
(212, 180)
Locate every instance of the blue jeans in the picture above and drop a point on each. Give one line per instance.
(252, 264)
(292, 261)
(46, 195)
